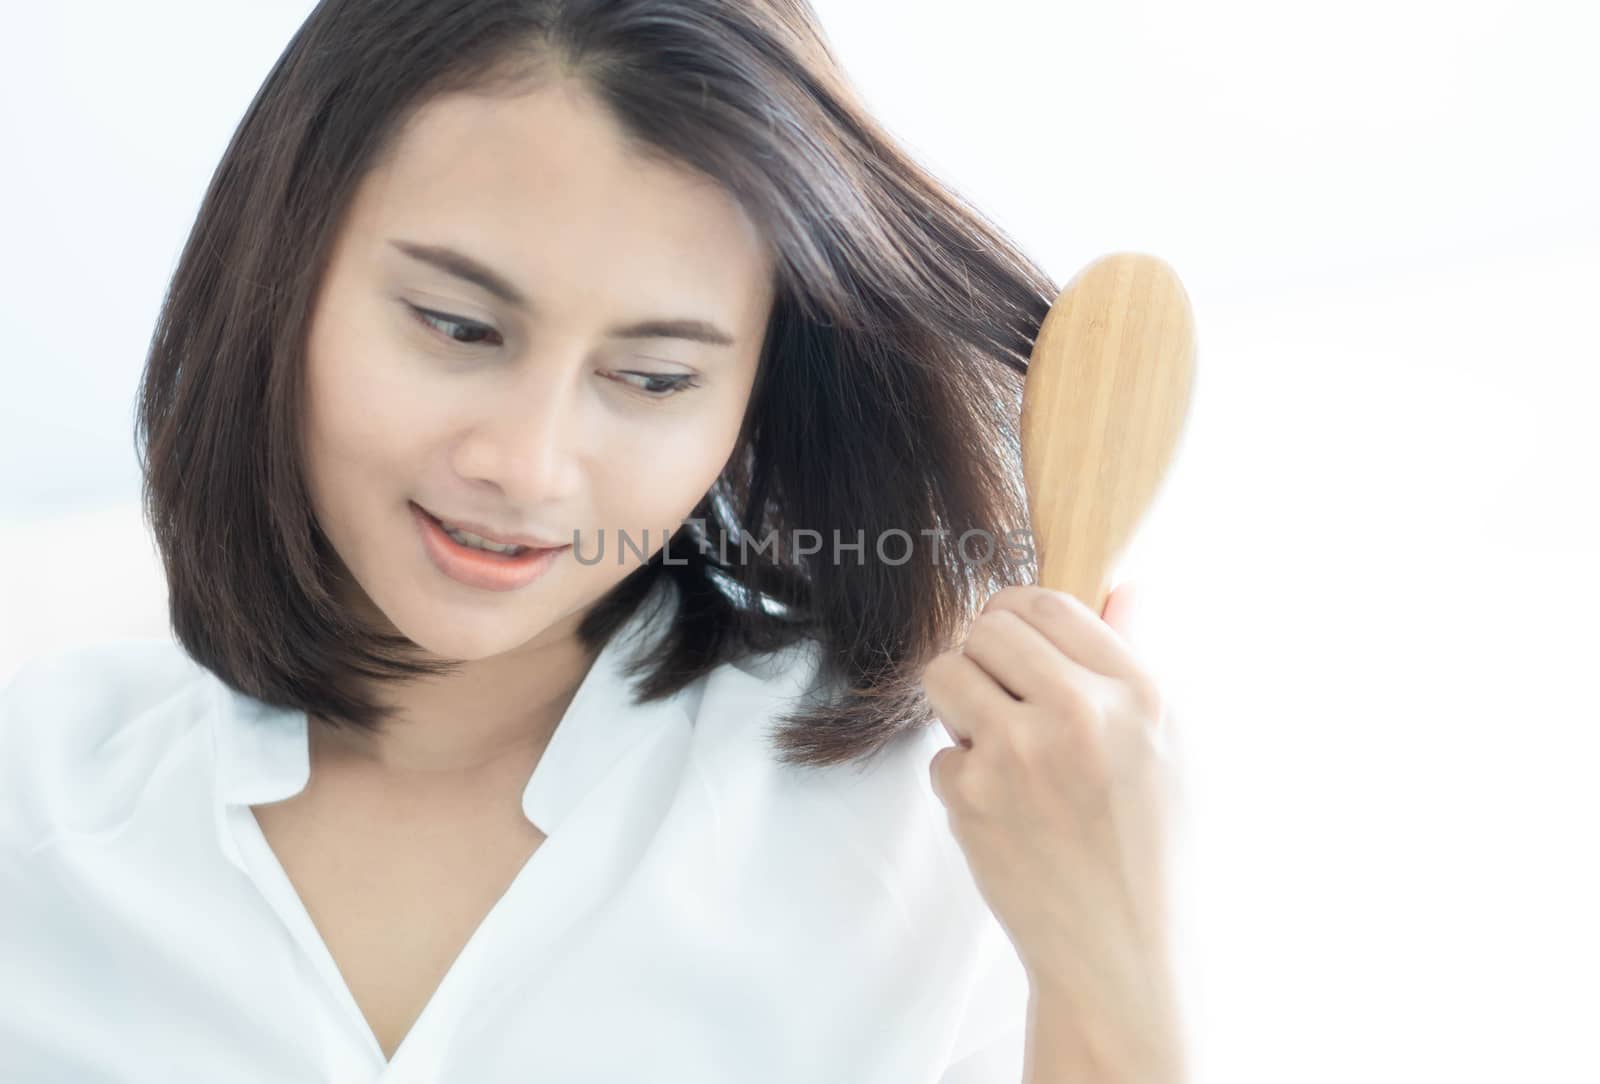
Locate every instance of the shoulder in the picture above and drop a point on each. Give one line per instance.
(83, 725)
(874, 835)
(879, 815)
(740, 702)
(776, 678)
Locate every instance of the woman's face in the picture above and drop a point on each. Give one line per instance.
(528, 417)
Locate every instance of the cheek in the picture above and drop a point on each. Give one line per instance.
(359, 414)
(367, 393)
(655, 476)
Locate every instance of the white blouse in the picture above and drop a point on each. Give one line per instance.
(697, 912)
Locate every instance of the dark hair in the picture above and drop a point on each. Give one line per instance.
(887, 394)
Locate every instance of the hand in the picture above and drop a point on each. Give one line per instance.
(1059, 792)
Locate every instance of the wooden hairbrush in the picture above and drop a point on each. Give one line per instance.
(1104, 402)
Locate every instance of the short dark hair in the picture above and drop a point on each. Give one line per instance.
(887, 394)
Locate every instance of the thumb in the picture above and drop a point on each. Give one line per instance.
(1120, 607)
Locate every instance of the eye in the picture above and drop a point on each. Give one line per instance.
(464, 331)
(663, 385)
(471, 333)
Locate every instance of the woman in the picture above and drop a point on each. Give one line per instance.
(486, 301)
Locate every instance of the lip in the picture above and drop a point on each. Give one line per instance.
(480, 568)
(531, 541)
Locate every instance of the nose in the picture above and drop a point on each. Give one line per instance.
(525, 442)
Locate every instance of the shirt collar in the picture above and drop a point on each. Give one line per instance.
(262, 752)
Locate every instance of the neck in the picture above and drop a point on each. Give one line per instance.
(491, 715)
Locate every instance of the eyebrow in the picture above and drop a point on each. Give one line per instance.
(459, 265)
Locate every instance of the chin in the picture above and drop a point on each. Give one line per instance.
(469, 637)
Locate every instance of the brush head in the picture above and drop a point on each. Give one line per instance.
(1104, 403)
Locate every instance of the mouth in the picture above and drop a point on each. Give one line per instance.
(475, 566)
(467, 536)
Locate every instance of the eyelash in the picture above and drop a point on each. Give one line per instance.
(675, 383)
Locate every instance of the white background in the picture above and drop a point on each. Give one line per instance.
(1369, 584)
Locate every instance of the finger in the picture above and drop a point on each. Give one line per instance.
(942, 767)
(1121, 608)
(1074, 629)
(964, 697)
(1024, 661)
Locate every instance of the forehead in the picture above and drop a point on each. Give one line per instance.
(544, 187)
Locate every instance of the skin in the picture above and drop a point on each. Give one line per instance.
(530, 427)
(1063, 790)
(537, 432)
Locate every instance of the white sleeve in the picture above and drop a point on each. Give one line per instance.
(1000, 1062)
(992, 1039)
